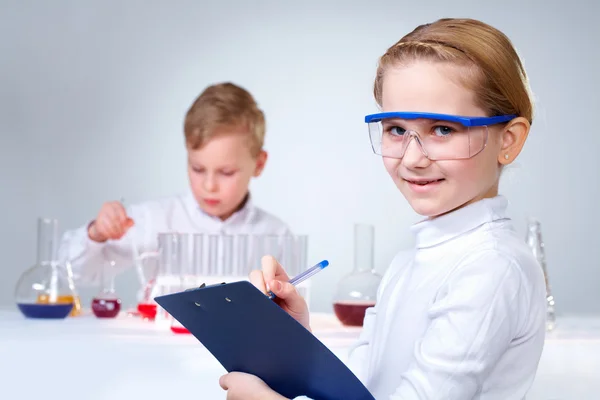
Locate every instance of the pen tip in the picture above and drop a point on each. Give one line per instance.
(324, 263)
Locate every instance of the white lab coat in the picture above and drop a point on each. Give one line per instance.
(179, 213)
(462, 317)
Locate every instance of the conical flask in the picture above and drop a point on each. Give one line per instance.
(46, 289)
(358, 291)
(536, 243)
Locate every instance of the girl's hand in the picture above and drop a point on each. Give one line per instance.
(273, 276)
(242, 386)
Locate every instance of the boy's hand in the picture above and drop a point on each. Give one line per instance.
(112, 222)
(274, 276)
(242, 386)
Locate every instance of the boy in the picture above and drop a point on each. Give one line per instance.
(224, 135)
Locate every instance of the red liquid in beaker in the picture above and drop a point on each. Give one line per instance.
(179, 329)
(351, 313)
(147, 311)
(106, 308)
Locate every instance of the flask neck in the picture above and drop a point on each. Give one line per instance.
(536, 243)
(534, 236)
(47, 241)
(364, 240)
(108, 278)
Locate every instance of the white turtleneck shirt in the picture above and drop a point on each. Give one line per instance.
(461, 317)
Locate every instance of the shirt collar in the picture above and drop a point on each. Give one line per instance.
(432, 232)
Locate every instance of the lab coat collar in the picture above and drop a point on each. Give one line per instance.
(432, 232)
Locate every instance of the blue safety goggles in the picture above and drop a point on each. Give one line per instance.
(464, 138)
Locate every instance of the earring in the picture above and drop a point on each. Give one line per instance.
(506, 156)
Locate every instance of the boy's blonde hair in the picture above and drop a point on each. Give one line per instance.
(498, 78)
(221, 108)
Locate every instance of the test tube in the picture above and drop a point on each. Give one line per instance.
(185, 256)
(198, 255)
(227, 255)
(271, 247)
(241, 256)
(170, 249)
(213, 255)
(254, 252)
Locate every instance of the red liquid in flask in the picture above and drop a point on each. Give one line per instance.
(352, 313)
(106, 308)
(147, 310)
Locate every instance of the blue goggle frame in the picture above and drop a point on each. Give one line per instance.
(465, 121)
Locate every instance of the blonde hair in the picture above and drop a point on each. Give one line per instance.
(221, 108)
(499, 79)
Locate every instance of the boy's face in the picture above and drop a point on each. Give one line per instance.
(220, 172)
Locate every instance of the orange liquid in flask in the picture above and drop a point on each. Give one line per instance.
(62, 299)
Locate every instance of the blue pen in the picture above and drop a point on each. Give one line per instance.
(298, 279)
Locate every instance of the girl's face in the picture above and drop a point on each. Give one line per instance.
(435, 87)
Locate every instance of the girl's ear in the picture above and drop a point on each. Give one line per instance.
(513, 138)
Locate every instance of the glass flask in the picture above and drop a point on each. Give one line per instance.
(358, 291)
(536, 243)
(107, 304)
(77, 310)
(46, 290)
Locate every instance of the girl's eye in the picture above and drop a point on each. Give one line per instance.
(443, 130)
(228, 173)
(198, 170)
(396, 130)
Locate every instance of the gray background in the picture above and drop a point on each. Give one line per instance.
(93, 93)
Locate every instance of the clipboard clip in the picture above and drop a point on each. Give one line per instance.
(202, 286)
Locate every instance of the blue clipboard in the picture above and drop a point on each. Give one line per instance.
(248, 332)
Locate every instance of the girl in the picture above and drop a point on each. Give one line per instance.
(463, 316)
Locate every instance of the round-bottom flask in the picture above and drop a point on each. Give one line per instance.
(46, 289)
(106, 304)
(358, 291)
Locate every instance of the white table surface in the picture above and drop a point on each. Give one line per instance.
(126, 358)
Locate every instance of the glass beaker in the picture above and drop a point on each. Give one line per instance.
(174, 271)
(46, 290)
(294, 261)
(187, 278)
(107, 304)
(168, 278)
(146, 307)
(536, 243)
(358, 291)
